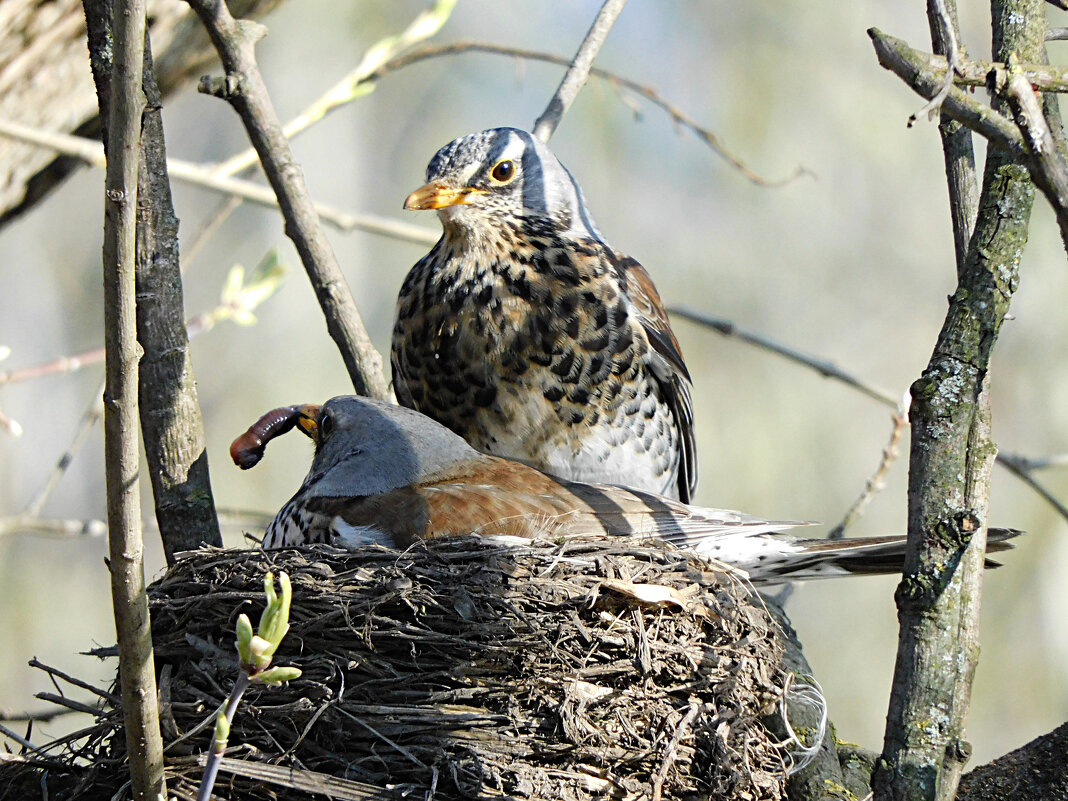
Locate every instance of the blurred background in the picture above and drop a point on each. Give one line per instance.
(852, 263)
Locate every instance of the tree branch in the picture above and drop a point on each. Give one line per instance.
(171, 423)
(243, 87)
(1047, 167)
(678, 116)
(911, 66)
(957, 148)
(204, 176)
(137, 672)
(426, 24)
(579, 71)
(946, 38)
(951, 457)
(1039, 155)
(1021, 466)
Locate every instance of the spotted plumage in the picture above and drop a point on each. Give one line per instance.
(530, 337)
(389, 475)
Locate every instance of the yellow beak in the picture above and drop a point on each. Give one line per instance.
(438, 196)
(306, 418)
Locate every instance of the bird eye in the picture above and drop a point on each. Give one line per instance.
(504, 171)
(326, 426)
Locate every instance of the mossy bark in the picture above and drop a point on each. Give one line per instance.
(951, 457)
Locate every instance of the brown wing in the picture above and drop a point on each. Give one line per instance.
(493, 496)
(674, 382)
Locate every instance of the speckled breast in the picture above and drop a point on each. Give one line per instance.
(538, 363)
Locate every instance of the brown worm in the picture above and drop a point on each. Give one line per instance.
(247, 450)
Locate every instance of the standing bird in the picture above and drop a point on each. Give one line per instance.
(389, 475)
(529, 336)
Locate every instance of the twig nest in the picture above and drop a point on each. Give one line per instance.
(460, 669)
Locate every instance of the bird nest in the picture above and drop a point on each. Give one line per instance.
(464, 669)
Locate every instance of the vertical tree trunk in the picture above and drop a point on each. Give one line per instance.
(170, 413)
(137, 673)
(951, 457)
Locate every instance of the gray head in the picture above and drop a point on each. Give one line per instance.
(501, 175)
(365, 447)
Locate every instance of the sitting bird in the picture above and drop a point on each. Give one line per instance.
(524, 332)
(390, 475)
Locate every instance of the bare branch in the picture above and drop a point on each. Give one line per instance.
(42, 715)
(18, 738)
(354, 85)
(244, 89)
(90, 418)
(61, 527)
(957, 150)
(951, 457)
(678, 116)
(1039, 154)
(823, 367)
(172, 426)
(952, 53)
(13, 427)
(1047, 167)
(56, 673)
(1021, 468)
(912, 67)
(875, 483)
(577, 74)
(1030, 463)
(206, 177)
(1020, 465)
(978, 74)
(130, 600)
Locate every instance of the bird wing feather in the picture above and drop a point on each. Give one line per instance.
(667, 362)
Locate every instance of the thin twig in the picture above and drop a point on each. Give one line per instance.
(56, 526)
(137, 676)
(875, 483)
(13, 427)
(63, 527)
(823, 367)
(1047, 167)
(1018, 469)
(40, 715)
(197, 325)
(1019, 465)
(952, 64)
(354, 85)
(209, 226)
(1056, 34)
(678, 116)
(4, 730)
(70, 705)
(90, 418)
(1029, 463)
(91, 152)
(244, 89)
(55, 673)
(579, 71)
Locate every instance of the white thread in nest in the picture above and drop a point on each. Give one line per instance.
(806, 693)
